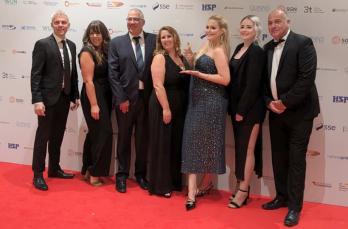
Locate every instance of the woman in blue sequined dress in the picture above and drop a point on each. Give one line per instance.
(203, 150)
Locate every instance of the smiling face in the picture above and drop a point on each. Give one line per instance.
(135, 22)
(96, 39)
(213, 31)
(278, 24)
(167, 41)
(247, 30)
(60, 25)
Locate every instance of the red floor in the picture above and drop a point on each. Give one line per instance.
(74, 204)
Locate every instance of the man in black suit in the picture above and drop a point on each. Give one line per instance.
(53, 87)
(292, 99)
(130, 57)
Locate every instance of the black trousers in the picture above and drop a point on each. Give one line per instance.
(136, 117)
(51, 128)
(289, 141)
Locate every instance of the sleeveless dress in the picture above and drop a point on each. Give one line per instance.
(203, 149)
(165, 139)
(97, 147)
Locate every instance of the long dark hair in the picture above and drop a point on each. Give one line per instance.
(97, 27)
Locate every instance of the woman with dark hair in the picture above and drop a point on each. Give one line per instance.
(247, 108)
(167, 108)
(96, 102)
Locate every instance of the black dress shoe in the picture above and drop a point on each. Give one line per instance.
(274, 204)
(142, 183)
(39, 183)
(121, 185)
(60, 174)
(292, 218)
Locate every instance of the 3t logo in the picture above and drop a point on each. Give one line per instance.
(13, 145)
(208, 7)
(308, 9)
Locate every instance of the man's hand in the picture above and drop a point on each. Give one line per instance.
(124, 107)
(39, 109)
(276, 106)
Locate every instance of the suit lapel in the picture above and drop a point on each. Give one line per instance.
(269, 60)
(129, 46)
(285, 50)
(54, 45)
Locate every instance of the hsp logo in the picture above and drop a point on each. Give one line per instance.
(13, 145)
(339, 99)
(208, 7)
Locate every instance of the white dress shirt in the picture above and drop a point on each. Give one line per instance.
(142, 46)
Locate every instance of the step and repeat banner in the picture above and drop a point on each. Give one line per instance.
(22, 22)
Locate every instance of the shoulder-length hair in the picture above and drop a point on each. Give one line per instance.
(159, 47)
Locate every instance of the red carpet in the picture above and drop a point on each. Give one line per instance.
(73, 204)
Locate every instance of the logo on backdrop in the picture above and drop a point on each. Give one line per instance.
(11, 2)
(289, 9)
(13, 99)
(140, 6)
(114, 4)
(8, 27)
(28, 27)
(13, 145)
(322, 184)
(322, 126)
(16, 51)
(312, 9)
(160, 6)
(233, 8)
(259, 8)
(318, 39)
(184, 6)
(337, 40)
(345, 128)
(51, 3)
(340, 10)
(23, 124)
(312, 153)
(339, 99)
(208, 7)
(71, 4)
(10, 76)
(93, 4)
(47, 28)
(30, 2)
(343, 187)
(338, 157)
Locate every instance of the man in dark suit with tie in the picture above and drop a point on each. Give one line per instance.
(130, 57)
(292, 99)
(53, 87)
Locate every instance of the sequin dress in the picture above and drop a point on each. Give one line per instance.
(203, 149)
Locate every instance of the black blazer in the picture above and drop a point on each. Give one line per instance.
(296, 75)
(123, 72)
(47, 72)
(246, 87)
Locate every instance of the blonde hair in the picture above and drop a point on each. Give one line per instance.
(224, 40)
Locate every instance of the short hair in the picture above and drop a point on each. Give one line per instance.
(224, 40)
(282, 10)
(257, 25)
(159, 48)
(59, 13)
(141, 15)
(97, 26)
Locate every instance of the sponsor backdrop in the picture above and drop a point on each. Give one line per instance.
(22, 22)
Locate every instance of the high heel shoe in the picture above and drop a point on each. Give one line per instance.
(205, 191)
(233, 204)
(190, 204)
(167, 195)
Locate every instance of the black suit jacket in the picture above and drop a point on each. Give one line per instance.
(123, 72)
(246, 87)
(296, 76)
(47, 72)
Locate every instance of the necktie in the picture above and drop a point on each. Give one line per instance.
(67, 83)
(276, 43)
(139, 55)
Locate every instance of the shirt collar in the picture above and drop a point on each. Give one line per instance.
(141, 35)
(58, 39)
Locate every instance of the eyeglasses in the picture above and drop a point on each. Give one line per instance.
(135, 19)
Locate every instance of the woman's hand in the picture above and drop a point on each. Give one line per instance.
(167, 116)
(95, 112)
(239, 118)
(191, 72)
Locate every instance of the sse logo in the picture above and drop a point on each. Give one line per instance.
(13, 145)
(160, 6)
(325, 127)
(208, 7)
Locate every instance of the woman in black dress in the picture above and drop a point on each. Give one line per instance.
(247, 107)
(96, 103)
(167, 110)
